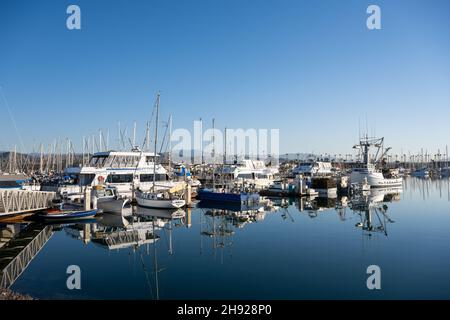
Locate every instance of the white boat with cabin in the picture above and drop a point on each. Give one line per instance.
(313, 168)
(118, 169)
(367, 170)
(250, 172)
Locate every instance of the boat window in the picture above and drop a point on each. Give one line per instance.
(97, 161)
(120, 178)
(109, 161)
(86, 179)
(245, 176)
(115, 161)
(93, 161)
(149, 177)
(123, 161)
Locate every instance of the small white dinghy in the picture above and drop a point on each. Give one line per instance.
(158, 200)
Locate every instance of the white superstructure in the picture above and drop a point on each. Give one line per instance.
(251, 171)
(117, 169)
(313, 168)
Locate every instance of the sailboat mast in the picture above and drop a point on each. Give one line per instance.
(214, 155)
(170, 142)
(147, 137)
(156, 141)
(41, 159)
(225, 147)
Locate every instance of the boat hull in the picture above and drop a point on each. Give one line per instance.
(375, 180)
(114, 206)
(68, 215)
(148, 202)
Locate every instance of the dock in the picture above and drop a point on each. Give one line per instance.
(22, 201)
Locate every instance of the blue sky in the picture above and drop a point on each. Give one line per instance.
(310, 68)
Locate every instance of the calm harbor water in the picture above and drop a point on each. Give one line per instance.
(288, 249)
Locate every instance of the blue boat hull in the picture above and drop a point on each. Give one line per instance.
(68, 215)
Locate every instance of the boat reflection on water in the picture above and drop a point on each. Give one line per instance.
(372, 207)
(141, 230)
(167, 214)
(428, 187)
(211, 233)
(119, 232)
(238, 214)
(219, 222)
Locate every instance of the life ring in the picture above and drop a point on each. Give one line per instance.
(101, 179)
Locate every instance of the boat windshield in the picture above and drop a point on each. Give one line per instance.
(86, 179)
(97, 161)
(114, 161)
(245, 176)
(149, 177)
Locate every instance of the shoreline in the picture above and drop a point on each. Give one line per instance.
(7, 294)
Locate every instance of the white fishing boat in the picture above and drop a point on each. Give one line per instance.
(367, 170)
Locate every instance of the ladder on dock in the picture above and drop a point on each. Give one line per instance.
(22, 201)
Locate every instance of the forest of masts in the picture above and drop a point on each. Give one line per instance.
(61, 154)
